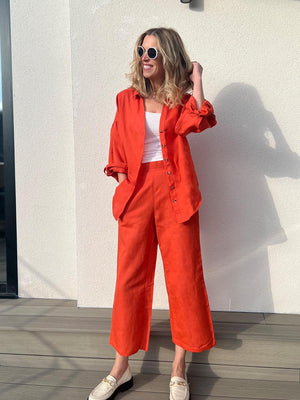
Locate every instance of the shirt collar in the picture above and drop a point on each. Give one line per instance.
(136, 93)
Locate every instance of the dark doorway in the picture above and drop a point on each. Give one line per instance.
(8, 237)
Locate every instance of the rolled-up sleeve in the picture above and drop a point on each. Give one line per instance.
(116, 159)
(194, 120)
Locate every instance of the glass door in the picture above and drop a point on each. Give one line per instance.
(8, 241)
(3, 276)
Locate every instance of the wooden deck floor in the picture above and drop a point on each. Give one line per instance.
(50, 349)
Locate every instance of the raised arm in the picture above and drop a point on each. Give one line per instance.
(196, 78)
(198, 113)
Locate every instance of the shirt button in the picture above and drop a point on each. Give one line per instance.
(172, 187)
(163, 145)
(160, 131)
(169, 173)
(174, 201)
(166, 159)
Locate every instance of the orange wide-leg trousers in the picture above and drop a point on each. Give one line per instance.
(149, 221)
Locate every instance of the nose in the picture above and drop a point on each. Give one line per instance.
(145, 56)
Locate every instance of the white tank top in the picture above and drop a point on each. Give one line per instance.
(152, 147)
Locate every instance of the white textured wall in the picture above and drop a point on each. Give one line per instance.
(44, 148)
(247, 165)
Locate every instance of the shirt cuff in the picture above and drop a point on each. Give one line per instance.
(205, 109)
(112, 170)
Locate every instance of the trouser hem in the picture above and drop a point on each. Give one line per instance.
(128, 353)
(192, 349)
(195, 349)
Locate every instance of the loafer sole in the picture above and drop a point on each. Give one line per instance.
(122, 388)
(189, 397)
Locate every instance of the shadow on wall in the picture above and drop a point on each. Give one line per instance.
(196, 5)
(238, 217)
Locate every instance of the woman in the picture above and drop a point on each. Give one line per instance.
(156, 202)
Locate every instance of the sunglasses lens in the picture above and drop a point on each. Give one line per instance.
(152, 53)
(140, 51)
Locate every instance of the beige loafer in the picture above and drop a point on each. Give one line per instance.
(109, 387)
(179, 388)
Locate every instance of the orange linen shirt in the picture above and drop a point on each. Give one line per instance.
(127, 147)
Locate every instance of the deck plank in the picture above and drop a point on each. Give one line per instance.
(158, 327)
(152, 366)
(28, 392)
(282, 319)
(69, 308)
(254, 352)
(237, 389)
(30, 302)
(33, 392)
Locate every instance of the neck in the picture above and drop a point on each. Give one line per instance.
(155, 85)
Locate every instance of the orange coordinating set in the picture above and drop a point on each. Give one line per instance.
(157, 204)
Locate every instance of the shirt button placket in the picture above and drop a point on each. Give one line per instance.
(164, 149)
(170, 175)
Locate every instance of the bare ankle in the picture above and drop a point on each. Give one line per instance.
(178, 368)
(120, 366)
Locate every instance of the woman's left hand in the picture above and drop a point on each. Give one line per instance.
(196, 75)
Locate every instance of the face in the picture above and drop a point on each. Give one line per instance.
(152, 69)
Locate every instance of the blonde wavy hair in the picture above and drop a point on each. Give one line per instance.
(176, 63)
